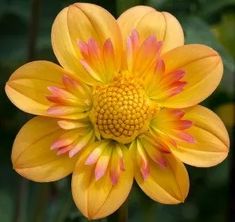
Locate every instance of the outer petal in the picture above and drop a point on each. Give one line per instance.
(27, 86)
(63, 48)
(81, 22)
(32, 156)
(203, 71)
(168, 184)
(99, 198)
(147, 21)
(211, 139)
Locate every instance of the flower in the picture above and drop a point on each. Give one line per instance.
(122, 105)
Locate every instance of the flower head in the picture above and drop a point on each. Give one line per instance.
(122, 106)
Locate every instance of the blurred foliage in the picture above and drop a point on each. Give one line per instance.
(204, 21)
(226, 113)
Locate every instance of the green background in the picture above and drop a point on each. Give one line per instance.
(211, 197)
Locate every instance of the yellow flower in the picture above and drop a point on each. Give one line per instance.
(123, 105)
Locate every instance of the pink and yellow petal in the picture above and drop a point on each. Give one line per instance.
(68, 31)
(63, 48)
(211, 144)
(203, 69)
(99, 197)
(71, 142)
(166, 28)
(168, 183)
(99, 60)
(96, 23)
(28, 86)
(32, 156)
(141, 55)
(39, 88)
(170, 122)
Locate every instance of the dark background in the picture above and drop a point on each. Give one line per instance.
(24, 37)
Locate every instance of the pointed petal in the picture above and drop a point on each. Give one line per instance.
(67, 112)
(71, 124)
(166, 28)
(99, 198)
(142, 160)
(109, 61)
(65, 139)
(77, 88)
(168, 126)
(116, 165)
(62, 96)
(86, 139)
(154, 151)
(211, 139)
(32, 156)
(146, 55)
(95, 154)
(203, 69)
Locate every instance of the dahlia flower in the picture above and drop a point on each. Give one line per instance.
(121, 106)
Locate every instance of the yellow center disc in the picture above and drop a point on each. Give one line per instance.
(121, 110)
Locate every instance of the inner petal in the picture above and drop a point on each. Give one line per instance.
(144, 61)
(99, 61)
(71, 101)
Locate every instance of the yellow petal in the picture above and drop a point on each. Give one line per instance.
(63, 48)
(27, 86)
(100, 198)
(167, 184)
(203, 71)
(31, 155)
(147, 21)
(211, 139)
(81, 22)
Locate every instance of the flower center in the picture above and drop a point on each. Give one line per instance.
(121, 110)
